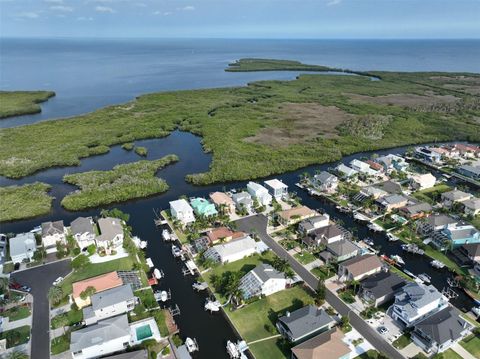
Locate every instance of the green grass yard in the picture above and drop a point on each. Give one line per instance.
(472, 345)
(17, 336)
(450, 354)
(67, 319)
(304, 257)
(431, 195)
(402, 341)
(17, 313)
(60, 344)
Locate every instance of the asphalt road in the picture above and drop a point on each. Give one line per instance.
(40, 279)
(258, 224)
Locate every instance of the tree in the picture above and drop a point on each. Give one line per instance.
(344, 322)
(115, 213)
(354, 283)
(280, 264)
(320, 293)
(89, 291)
(40, 254)
(80, 262)
(55, 294)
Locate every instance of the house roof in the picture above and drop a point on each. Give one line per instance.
(460, 232)
(390, 187)
(109, 228)
(473, 249)
(254, 186)
(309, 223)
(82, 225)
(394, 199)
(472, 169)
(180, 205)
(305, 320)
(302, 211)
(112, 296)
(383, 283)
(242, 197)
(473, 203)
(342, 247)
(443, 326)
(440, 220)
(276, 184)
(327, 345)
(362, 264)
(324, 177)
(235, 246)
(348, 171)
(223, 232)
(102, 332)
(265, 272)
(100, 283)
(455, 195)
(414, 296)
(374, 165)
(22, 243)
(421, 178)
(418, 208)
(220, 198)
(51, 228)
(330, 231)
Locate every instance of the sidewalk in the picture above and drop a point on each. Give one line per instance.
(8, 325)
(58, 332)
(457, 348)
(60, 310)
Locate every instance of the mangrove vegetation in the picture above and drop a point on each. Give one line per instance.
(26, 201)
(16, 103)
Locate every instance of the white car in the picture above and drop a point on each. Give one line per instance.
(57, 281)
(382, 330)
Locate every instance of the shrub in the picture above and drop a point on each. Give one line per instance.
(91, 249)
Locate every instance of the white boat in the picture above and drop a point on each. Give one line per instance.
(476, 311)
(360, 217)
(425, 277)
(392, 238)
(232, 350)
(158, 273)
(375, 227)
(161, 296)
(368, 241)
(191, 345)
(437, 264)
(166, 235)
(200, 286)
(212, 306)
(36, 229)
(406, 271)
(176, 251)
(398, 259)
(149, 263)
(143, 244)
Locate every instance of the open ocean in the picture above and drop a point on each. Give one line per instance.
(88, 74)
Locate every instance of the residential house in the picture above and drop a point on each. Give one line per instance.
(435, 223)
(304, 323)
(377, 167)
(472, 251)
(472, 207)
(359, 267)
(327, 345)
(181, 211)
(53, 232)
(99, 283)
(455, 196)
(106, 337)
(223, 234)
(202, 207)
(137, 354)
(392, 202)
(262, 280)
(345, 171)
(426, 154)
(109, 303)
(340, 251)
(22, 247)
(295, 214)
(277, 188)
(417, 210)
(392, 162)
(472, 172)
(468, 151)
(440, 331)
(325, 182)
(259, 193)
(231, 251)
(310, 224)
(324, 235)
(423, 181)
(443, 152)
(243, 200)
(380, 288)
(200, 245)
(111, 233)
(223, 202)
(371, 192)
(83, 231)
(468, 254)
(391, 187)
(362, 167)
(415, 302)
(459, 234)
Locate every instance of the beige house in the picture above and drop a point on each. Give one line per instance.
(294, 215)
(359, 267)
(221, 199)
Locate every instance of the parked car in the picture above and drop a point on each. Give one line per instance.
(57, 281)
(26, 288)
(382, 330)
(14, 285)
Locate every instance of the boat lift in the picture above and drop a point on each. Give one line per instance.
(190, 268)
(237, 350)
(162, 296)
(449, 293)
(174, 311)
(199, 286)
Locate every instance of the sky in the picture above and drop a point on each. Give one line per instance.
(329, 19)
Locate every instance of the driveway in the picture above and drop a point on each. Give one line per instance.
(258, 223)
(40, 279)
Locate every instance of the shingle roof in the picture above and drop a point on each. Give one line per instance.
(415, 296)
(266, 272)
(418, 208)
(82, 225)
(51, 228)
(440, 220)
(362, 264)
(109, 228)
(327, 345)
(112, 296)
(96, 334)
(473, 203)
(305, 320)
(473, 249)
(342, 247)
(455, 195)
(383, 283)
(324, 177)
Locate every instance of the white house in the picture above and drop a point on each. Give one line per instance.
(472, 206)
(182, 211)
(415, 302)
(277, 188)
(455, 196)
(345, 171)
(262, 280)
(111, 233)
(362, 167)
(22, 247)
(109, 303)
(106, 337)
(243, 200)
(83, 231)
(53, 232)
(310, 224)
(231, 251)
(260, 193)
(423, 181)
(325, 182)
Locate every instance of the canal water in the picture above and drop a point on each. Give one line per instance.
(211, 330)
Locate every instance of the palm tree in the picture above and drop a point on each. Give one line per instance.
(355, 283)
(55, 294)
(280, 264)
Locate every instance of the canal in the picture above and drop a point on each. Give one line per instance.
(211, 331)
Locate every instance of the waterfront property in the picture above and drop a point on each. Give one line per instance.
(434, 223)
(53, 233)
(111, 233)
(202, 207)
(339, 251)
(277, 188)
(392, 162)
(323, 235)
(22, 247)
(327, 345)
(181, 211)
(345, 172)
(99, 283)
(223, 202)
(359, 267)
(325, 182)
(310, 224)
(415, 302)
(83, 231)
(456, 235)
(231, 251)
(455, 196)
(380, 288)
(259, 193)
(472, 172)
(263, 280)
(422, 181)
(417, 210)
(391, 202)
(472, 207)
(294, 215)
(304, 323)
(222, 234)
(243, 201)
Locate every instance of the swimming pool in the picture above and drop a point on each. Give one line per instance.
(143, 332)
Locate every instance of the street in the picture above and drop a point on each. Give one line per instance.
(258, 225)
(40, 279)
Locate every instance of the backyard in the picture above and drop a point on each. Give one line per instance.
(472, 345)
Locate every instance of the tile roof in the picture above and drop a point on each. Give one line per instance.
(100, 283)
(51, 228)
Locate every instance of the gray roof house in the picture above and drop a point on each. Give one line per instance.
(312, 223)
(416, 210)
(304, 323)
(440, 331)
(111, 232)
(323, 235)
(53, 232)
(325, 181)
(393, 201)
(243, 199)
(262, 280)
(340, 251)
(106, 337)
(22, 247)
(449, 198)
(435, 222)
(83, 231)
(381, 288)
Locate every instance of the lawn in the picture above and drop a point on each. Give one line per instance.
(17, 313)
(472, 345)
(60, 344)
(450, 354)
(17, 336)
(25, 201)
(67, 319)
(304, 257)
(257, 320)
(92, 270)
(323, 272)
(431, 195)
(268, 349)
(16, 103)
(402, 341)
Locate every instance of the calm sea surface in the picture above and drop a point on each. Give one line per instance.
(90, 74)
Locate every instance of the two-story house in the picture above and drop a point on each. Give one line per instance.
(259, 193)
(310, 224)
(53, 232)
(181, 211)
(111, 233)
(83, 231)
(277, 188)
(325, 182)
(262, 280)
